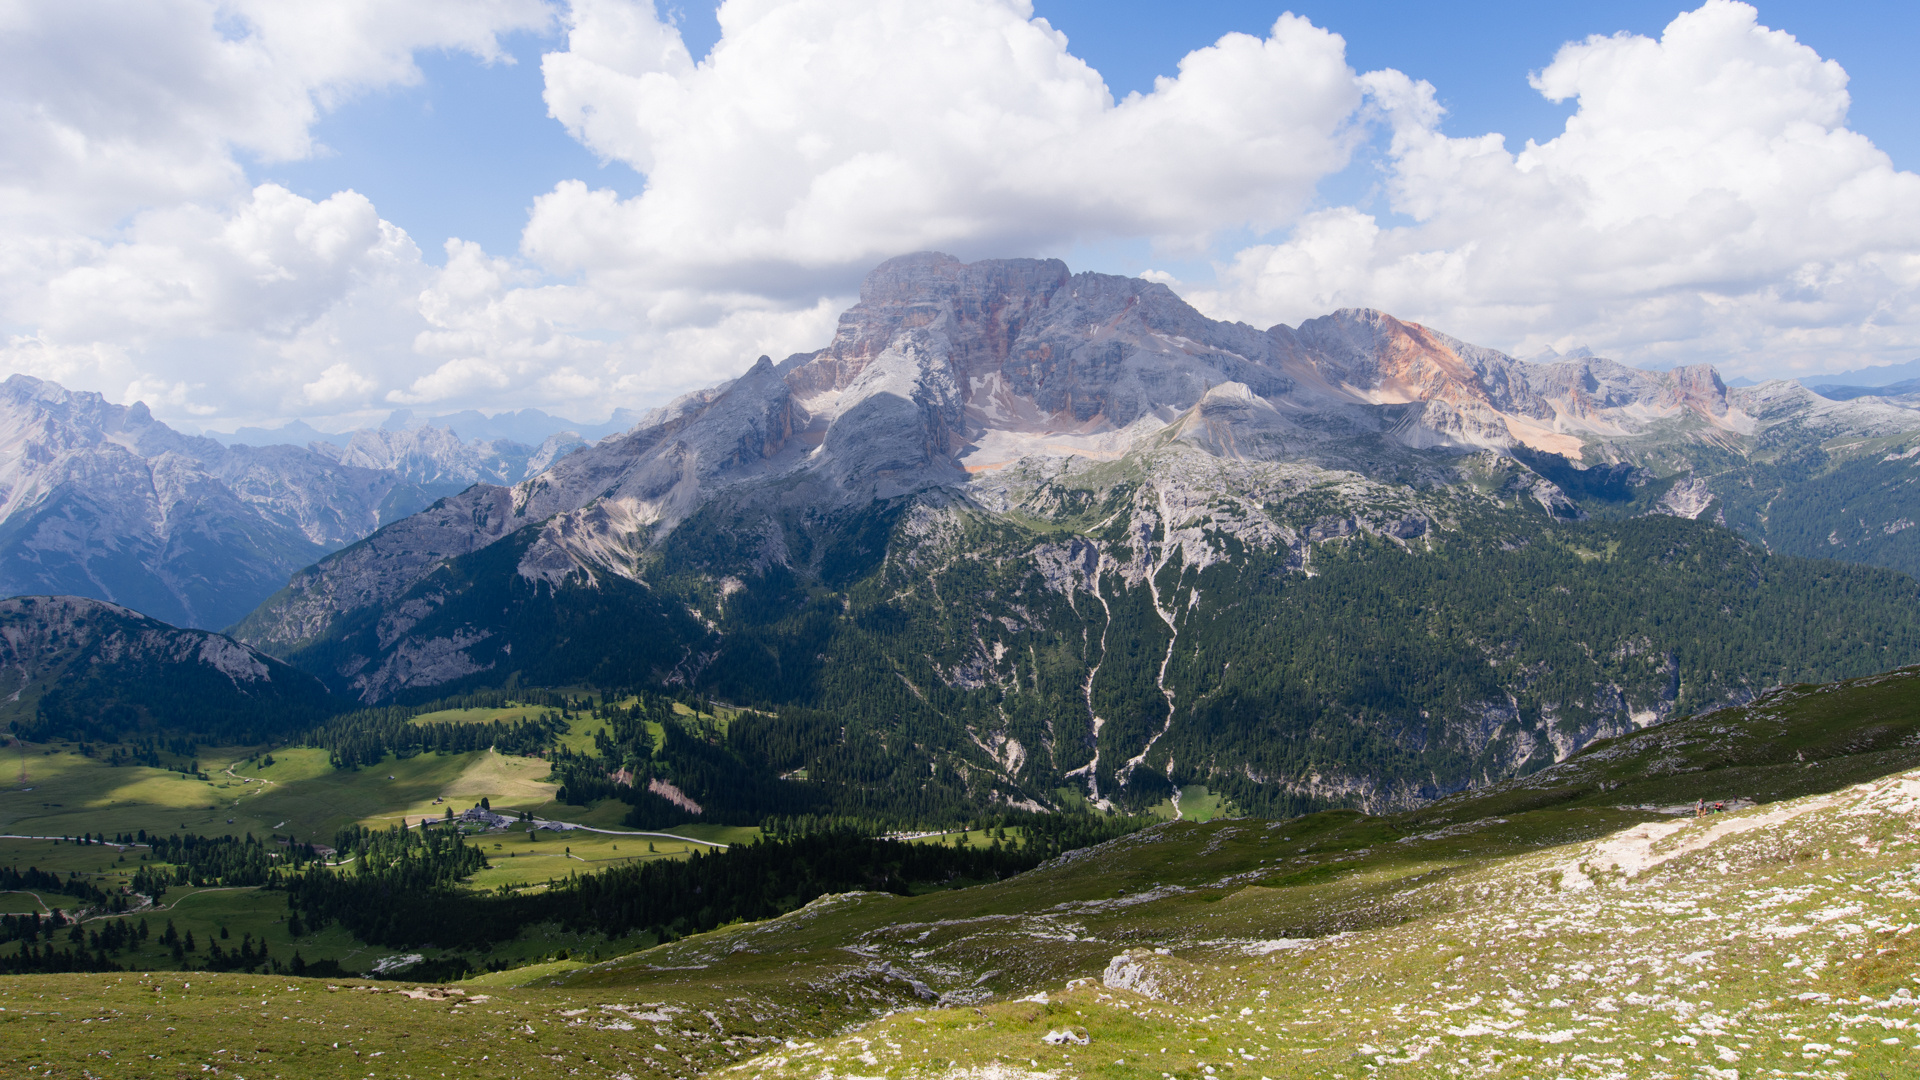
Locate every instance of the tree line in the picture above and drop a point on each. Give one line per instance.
(410, 897)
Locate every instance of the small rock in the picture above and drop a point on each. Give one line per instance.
(1065, 1035)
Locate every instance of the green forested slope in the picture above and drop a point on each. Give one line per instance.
(1415, 667)
(927, 659)
(88, 670)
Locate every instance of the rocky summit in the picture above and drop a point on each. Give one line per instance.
(948, 372)
(1098, 542)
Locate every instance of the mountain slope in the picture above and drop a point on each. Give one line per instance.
(1023, 533)
(1769, 943)
(1476, 926)
(1577, 940)
(74, 668)
(946, 371)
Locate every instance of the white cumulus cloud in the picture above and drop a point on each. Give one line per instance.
(822, 136)
(131, 242)
(112, 106)
(1706, 201)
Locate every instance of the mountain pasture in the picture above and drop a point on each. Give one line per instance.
(299, 794)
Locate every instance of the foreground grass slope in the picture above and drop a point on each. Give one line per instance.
(1775, 942)
(1564, 924)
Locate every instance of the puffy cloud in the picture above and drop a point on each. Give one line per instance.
(338, 383)
(132, 242)
(1706, 201)
(273, 265)
(108, 106)
(248, 310)
(88, 365)
(821, 136)
(493, 327)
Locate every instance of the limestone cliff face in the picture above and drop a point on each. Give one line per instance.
(946, 370)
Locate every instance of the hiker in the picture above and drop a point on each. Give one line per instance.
(1699, 808)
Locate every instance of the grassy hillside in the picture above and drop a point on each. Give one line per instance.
(1561, 924)
(1762, 941)
(66, 793)
(1792, 741)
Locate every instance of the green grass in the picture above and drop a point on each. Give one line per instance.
(605, 814)
(980, 839)
(518, 861)
(1194, 802)
(1199, 804)
(580, 732)
(1315, 946)
(1487, 929)
(506, 715)
(65, 857)
(1499, 968)
(171, 1025)
(300, 794)
(717, 834)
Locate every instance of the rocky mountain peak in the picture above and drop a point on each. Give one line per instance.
(981, 306)
(43, 414)
(1699, 387)
(1386, 360)
(103, 500)
(946, 372)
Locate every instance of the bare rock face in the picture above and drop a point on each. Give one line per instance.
(102, 500)
(436, 458)
(948, 370)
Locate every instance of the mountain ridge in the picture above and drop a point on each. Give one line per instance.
(81, 669)
(1060, 531)
(946, 370)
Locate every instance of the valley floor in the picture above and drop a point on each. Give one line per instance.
(1778, 941)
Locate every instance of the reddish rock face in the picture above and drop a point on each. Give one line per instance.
(1698, 387)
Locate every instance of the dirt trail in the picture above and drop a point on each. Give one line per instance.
(1645, 847)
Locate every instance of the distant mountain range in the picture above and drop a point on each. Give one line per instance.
(103, 501)
(1019, 536)
(1883, 375)
(529, 426)
(1843, 392)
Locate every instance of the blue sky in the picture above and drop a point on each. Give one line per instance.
(465, 152)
